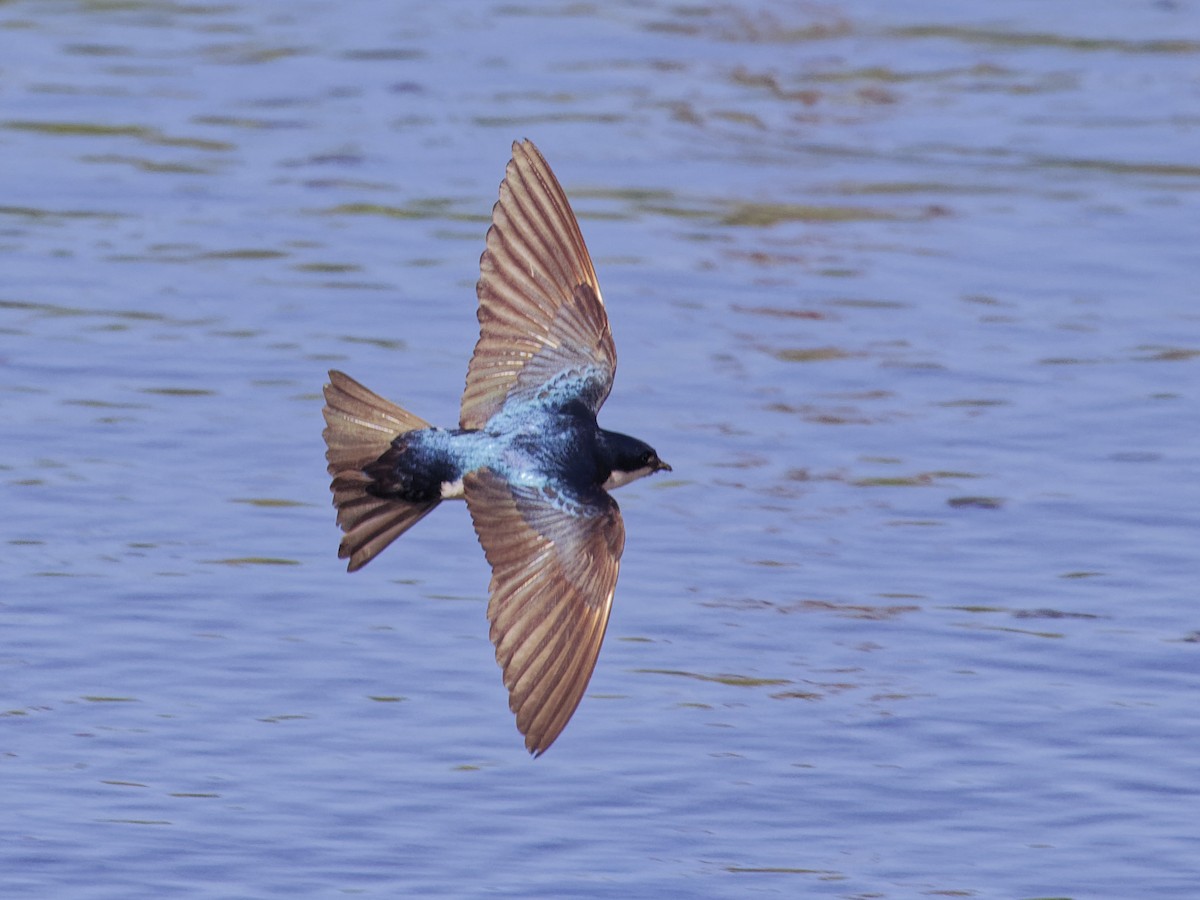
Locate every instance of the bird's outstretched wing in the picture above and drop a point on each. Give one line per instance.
(543, 331)
(554, 565)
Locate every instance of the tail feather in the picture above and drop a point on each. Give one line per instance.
(360, 426)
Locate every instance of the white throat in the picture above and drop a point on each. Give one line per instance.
(619, 479)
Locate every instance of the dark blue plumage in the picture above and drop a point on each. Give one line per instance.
(558, 447)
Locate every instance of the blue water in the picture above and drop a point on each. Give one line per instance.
(907, 297)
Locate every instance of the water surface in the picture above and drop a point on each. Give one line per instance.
(905, 296)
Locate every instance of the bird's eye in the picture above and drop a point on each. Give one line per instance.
(647, 458)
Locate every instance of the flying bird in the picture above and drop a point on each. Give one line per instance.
(528, 457)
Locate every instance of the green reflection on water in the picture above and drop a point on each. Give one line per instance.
(733, 680)
(255, 561)
(1044, 39)
(93, 129)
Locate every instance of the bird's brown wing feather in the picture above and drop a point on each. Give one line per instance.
(542, 322)
(554, 569)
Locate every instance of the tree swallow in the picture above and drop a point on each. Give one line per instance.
(528, 457)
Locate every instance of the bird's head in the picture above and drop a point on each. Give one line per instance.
(631, 459)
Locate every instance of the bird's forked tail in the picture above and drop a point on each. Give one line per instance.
(359, 427)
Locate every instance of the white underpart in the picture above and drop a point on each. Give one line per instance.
(617, 479)
(452, 490)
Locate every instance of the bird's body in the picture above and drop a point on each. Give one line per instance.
(528, 456)
(537, 446)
